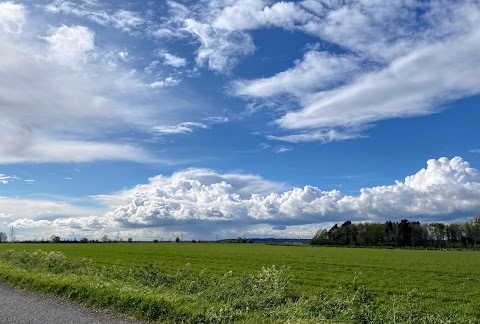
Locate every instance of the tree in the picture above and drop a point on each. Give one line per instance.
(320, 238)
(130, 240)
(3, 237)
(55, 239)
(105, 238)
(404, 237)
(177, 239)
(472, 229)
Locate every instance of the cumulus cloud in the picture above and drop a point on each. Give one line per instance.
(202, 202)
(12, 17)
(41, 218)
(443, 190)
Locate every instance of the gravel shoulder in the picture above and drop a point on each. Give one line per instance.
(19, 306)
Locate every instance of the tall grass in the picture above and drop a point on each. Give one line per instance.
(187, 296)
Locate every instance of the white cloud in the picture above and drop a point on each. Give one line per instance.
(173, 60)
(124, 56)
(316, 71)
(126, 20)
(167, 82)
(282, 149)
(5, 179)
(252, 14)
(219, 49)
(70, 45)
(44, 150)
(412, 85)
(122, 19)
(60, 102)
(182, 128)
(475, 151)
(41, 218)
(395, 67)
(202, 202)
(12, 17)
(324, 136)
(210, 200)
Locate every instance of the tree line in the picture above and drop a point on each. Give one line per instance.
(401, 234)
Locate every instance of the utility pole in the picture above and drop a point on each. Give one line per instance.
(12, 234)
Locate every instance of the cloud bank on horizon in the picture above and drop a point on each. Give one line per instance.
(204, 203)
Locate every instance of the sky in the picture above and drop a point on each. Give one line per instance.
(219, 118)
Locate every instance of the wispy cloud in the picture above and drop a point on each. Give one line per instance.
(173, 60)
(182, 128)
(393, 69)
(324, 136)
(122, 19)
(64, 101)
(167, 82)
(5, 179)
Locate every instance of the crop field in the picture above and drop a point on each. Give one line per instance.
(307, 283)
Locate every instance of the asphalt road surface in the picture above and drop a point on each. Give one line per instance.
(18, 306)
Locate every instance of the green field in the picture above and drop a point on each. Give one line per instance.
(446, 282)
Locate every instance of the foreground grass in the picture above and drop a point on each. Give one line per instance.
(447, 281)
(150, 291)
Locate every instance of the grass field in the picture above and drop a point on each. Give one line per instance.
(445, 282)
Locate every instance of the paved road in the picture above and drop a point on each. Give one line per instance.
(22, 307)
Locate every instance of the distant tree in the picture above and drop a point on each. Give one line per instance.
(177, 239)
(193, 241)
(155, 241)
(83, 240)
(130, 240)
(3, 237)
(472, 230)
(55, 239)
(454, 233)
(335, 235)
(105, 238)
(320, 237)
(390, 233)
(419, 234)
(404, 236)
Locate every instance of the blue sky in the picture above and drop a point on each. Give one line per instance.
(229, 118)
